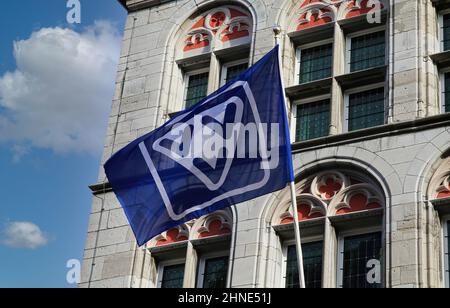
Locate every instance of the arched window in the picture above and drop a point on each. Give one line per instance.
(195, 254)
(213, 48)
(341, 214)
(439, 195)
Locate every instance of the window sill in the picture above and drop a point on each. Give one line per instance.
(357, 220)
(441, 59)
(362, 78)
(233, 53)
(310, 89)
(169, 251)
(442, 205)
(441, 4)
(172, 114)
(358, 23)
(314, 34)
(213, 243)
(308, 228)
(195, 62)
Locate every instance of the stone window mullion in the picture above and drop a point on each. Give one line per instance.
(337, 100)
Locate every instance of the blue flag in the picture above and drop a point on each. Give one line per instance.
(231, 147)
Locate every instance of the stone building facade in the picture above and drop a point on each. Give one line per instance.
(368, 90)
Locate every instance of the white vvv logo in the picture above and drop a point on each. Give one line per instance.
(192, 140)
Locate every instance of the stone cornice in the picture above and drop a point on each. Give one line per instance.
(394, 129)
(136, 5)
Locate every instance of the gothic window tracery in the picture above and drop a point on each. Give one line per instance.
(334, 193)
(222, 27)
(319, 12)
(171, 250)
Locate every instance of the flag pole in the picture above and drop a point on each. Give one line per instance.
(298, 239)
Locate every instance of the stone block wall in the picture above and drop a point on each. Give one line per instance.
(401, 157)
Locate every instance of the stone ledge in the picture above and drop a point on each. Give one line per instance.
(100, 188)
(308, 228)
(442, 205)
(441, 4)
(355, 220)
(161, 251)
(363, 77)
(441, 59)
(310, 89)
(388, 130)
(137, 5)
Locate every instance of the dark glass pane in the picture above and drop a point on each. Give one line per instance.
(316, 63)
(313, 120)
(358, 251)
(197, 89)
(366, 109)
(447, 92)
(173, 277)
(312, 258)
(368, 51)
(448, 250)
(216, 271)
(236, 70)
(446, 29)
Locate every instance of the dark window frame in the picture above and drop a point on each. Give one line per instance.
(317, 103)
(445, 31)
(354, 64)
(162, 273)
(349, 105)
(446, 92)
(291, 264)
(447, 251)
(341, 268)
(321, 73)
(188, 101)
(202, 268)
(224, 76)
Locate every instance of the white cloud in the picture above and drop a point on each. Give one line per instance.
(60, 95)
(18, 152)
(24, 235)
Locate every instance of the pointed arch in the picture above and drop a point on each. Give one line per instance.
(330, 193)
(301, 15)
(174, 235)
(215, 224)
(439, 187)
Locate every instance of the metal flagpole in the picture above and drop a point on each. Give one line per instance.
(298, 240)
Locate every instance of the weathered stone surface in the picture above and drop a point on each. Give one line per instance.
(149, 87)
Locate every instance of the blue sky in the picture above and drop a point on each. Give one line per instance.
(48, 159)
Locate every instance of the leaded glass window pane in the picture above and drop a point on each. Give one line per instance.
(197, 89)
(358, 251)
(216, 271)
(313, 120)
(235, 70)
(173, 277)
(447, 253)
(312, 258)
(366, 109)
(368, 51)
(447, 92)
(316, 63)
(446, 31)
